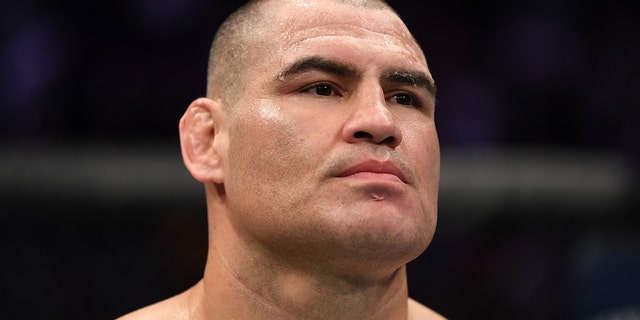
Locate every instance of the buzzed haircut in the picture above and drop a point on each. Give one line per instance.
(233, 43)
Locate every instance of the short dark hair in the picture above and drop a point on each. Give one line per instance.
(232, 45)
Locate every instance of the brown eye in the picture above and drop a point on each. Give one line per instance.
(322, 90)
(405, 99)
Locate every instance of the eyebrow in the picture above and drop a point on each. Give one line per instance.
(414, 78)
(321, 64)
(418, 79)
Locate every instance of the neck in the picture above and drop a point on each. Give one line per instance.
(242, 284)
(258, 293)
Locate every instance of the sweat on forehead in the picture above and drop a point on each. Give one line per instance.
(249, 33)
(275, 17)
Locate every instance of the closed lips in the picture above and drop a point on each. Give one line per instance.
(374, 167)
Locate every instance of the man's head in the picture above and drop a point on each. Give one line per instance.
(317, 142)
(244, 37)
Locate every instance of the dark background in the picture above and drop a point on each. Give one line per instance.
(538, 116)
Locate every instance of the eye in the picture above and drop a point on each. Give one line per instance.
(405, 99)
(323, 90)
(320, 89)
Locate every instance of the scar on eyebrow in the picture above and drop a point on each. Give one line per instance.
(418, 79)
(321, 64)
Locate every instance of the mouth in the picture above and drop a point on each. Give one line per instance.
(375, 170)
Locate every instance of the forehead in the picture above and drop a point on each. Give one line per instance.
(295, 27)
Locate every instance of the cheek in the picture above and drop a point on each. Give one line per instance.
(271, 170)
(266, 148)
(423, 149)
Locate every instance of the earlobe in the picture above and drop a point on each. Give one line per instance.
(203, 140)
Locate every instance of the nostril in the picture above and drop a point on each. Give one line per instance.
(362, 135)
(389, 140)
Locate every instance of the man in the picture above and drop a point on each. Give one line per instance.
(317, 147)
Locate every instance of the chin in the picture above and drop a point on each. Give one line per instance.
(390, 246)
(381, 258)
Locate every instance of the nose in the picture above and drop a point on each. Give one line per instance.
(370, 120)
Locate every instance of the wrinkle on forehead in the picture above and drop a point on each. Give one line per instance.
(288, 26)
(304, 22)
(343, 18)
(373, 20)
(390, 45)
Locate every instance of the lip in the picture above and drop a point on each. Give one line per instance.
(375, 169)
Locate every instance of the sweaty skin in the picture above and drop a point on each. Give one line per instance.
(321, 177)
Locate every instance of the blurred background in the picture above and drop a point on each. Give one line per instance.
(538, 116)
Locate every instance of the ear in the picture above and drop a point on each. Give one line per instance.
(204, 140)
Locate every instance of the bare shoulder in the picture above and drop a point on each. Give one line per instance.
(174, 308)
(167, 309)
(418, 311)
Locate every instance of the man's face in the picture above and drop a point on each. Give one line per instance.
(333, 155)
